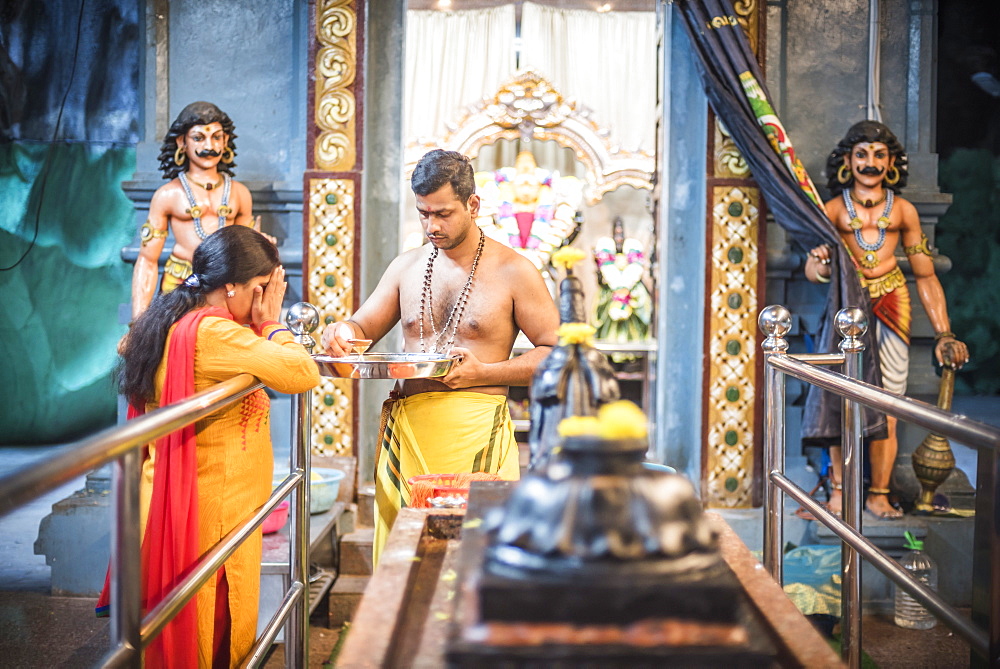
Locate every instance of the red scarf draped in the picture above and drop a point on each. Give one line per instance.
(170, 544)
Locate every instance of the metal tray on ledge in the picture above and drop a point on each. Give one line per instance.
(385, 365)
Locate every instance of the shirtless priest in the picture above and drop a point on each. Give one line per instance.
(866, 170)
(465, 295)
(201, 197)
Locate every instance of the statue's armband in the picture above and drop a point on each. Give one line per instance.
(923, 246)
(148, 233)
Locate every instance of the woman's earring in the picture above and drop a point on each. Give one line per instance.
(231, 293)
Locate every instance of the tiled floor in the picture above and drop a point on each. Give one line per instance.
(37, 630)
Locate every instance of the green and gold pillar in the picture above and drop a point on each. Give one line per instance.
(731, 457)
(331, 190)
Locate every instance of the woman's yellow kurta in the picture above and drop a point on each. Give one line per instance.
(235, 460)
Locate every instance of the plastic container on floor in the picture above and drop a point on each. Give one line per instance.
(908, 613)
(276, 519)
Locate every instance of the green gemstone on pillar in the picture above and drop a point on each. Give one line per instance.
(733, 347)
(732, 484)
(735, 300)
(732, 393)
(330, 280)
(735, 255)
(328, 400)
(330, 239)
(328, 439)
(331, 198)
(735, 209)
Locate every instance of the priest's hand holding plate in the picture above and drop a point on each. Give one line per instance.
(465, 373)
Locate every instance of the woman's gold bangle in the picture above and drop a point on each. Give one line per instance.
(941, 335)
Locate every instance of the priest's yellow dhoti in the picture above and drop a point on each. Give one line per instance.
(439, 433)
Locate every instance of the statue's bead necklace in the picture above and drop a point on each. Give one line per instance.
(455, 317)
(870, 258)
(223, 211)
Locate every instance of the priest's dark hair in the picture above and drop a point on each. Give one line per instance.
(439, 167)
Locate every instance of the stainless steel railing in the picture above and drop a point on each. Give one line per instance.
(130, 631)
(775, 322)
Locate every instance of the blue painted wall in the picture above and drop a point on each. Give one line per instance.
(68, 122)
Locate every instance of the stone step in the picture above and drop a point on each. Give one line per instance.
(344, 597)
(366, 506)
(356, 552)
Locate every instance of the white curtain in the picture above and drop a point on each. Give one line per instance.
(606, 61)
(453, 59)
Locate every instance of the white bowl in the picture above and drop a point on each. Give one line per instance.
(324, 488)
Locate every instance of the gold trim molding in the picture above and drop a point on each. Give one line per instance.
(528, 107)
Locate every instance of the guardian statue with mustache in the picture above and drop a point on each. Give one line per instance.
(197, 156)
(866, 171)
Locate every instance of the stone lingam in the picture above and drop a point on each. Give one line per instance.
(598, 561)
(575, 379)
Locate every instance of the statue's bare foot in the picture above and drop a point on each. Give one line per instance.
(878, 505)
(836, 503)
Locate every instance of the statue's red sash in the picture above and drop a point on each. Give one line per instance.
(893, 309)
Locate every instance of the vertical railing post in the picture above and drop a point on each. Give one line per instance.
(774, 321)
(302, 318)
(986, 557)
(126, 581)
(852, 324)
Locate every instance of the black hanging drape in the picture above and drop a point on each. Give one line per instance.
(735, 89)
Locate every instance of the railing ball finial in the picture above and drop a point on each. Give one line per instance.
(852, 324)
(775, 322)
(303, 318)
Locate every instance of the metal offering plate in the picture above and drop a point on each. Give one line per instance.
(385, 365)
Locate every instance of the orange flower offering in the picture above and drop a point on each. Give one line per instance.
(427, 486)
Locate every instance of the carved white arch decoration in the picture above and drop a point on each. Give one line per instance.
(528, 107)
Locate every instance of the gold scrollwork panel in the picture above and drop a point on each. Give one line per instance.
(728, 162)
(748, 15)
(331, 290)
(732, 346)
(335, 71)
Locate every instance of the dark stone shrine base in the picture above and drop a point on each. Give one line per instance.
(505, 620)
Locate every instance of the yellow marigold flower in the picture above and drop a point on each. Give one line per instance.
(622, 420)
(567, 256)
(575, 333)
(579, 426)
